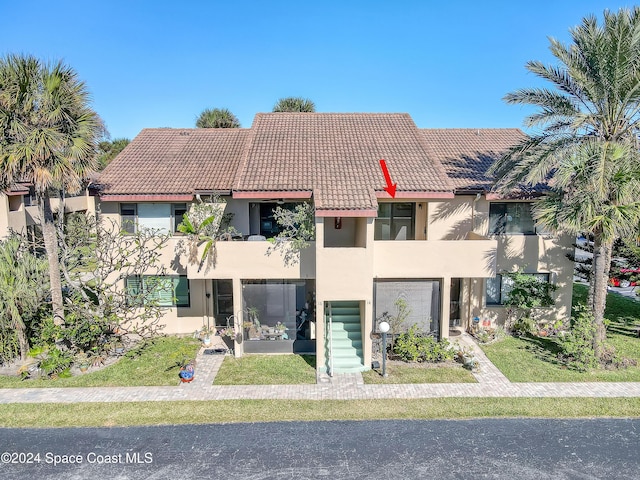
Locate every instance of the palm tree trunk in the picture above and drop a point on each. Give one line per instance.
(51, 247)
(602, 250)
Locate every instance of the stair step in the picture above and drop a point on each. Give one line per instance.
(347, 343)
(346, 319)
(347, 327)
(346, 337)
(343, 311)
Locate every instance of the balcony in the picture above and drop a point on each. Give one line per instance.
(249, 260)
(474, 256)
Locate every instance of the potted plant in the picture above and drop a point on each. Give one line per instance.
(82, 361)
(186, 363)
(205, 335)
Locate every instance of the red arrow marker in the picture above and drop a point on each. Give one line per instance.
(391, 187)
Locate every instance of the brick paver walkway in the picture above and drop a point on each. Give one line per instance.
(491, 383)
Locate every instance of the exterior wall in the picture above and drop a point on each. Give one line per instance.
(236, 261)
(344, 273)
(342, 237)
(435, 259)
(533, 254)
(451, 219)
(455, 245)
(240, 210)
(14, 215)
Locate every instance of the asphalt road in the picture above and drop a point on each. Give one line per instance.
(444, 449)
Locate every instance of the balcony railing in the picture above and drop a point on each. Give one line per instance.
(250, 260)
(472, 257)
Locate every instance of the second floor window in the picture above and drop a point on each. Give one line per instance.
(395, 221)
(511, 218)
(161, 217)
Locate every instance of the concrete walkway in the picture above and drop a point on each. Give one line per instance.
(491, 383)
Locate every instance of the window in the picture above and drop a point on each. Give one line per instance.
(167, 291)
(511, 218)
(499, 287)
(161, 217)
(395, 221)
(177, 212)
(421, 296)
(223, 292)
(128, 214)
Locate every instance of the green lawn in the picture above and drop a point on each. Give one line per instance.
(150, 365)
(267, 370)
(21, 415)
(398, 373)
(535, 359)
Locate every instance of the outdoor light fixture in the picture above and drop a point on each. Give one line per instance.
(384, 328)
(338, 223)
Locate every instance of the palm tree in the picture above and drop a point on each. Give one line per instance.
(21, 289)
(49, 137)
(586, 149)
(294, 104)
(108, 150)
(217, 118)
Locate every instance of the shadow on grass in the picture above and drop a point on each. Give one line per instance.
(310, 360)
(544, 348)
(628, 326)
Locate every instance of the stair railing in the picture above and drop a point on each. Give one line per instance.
(330, 341)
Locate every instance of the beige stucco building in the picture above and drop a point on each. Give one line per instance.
(440, 244)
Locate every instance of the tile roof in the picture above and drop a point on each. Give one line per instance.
(176, 161)
(335, 156)
(467, 153)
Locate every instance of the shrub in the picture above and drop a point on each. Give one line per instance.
(524, 326)
(414, 346)
(47, 362)
(577, 345)
(487, 336)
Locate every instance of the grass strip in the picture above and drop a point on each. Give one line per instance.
(240, 411)
(267, 370)
(535, 359)
(152, 363)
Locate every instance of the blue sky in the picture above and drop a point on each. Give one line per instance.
(160, 63)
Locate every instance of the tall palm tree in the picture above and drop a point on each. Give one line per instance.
(294, 104)
(49, 137)
(217, 118)
(21, 289)
(586, 146)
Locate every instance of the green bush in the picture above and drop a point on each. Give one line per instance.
(577, 345)
(414, 346)
(524, 326)
(48, 362)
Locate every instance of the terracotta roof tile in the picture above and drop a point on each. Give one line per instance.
(336, 155)
(167, 161)
(466, 154)
(333, 155)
